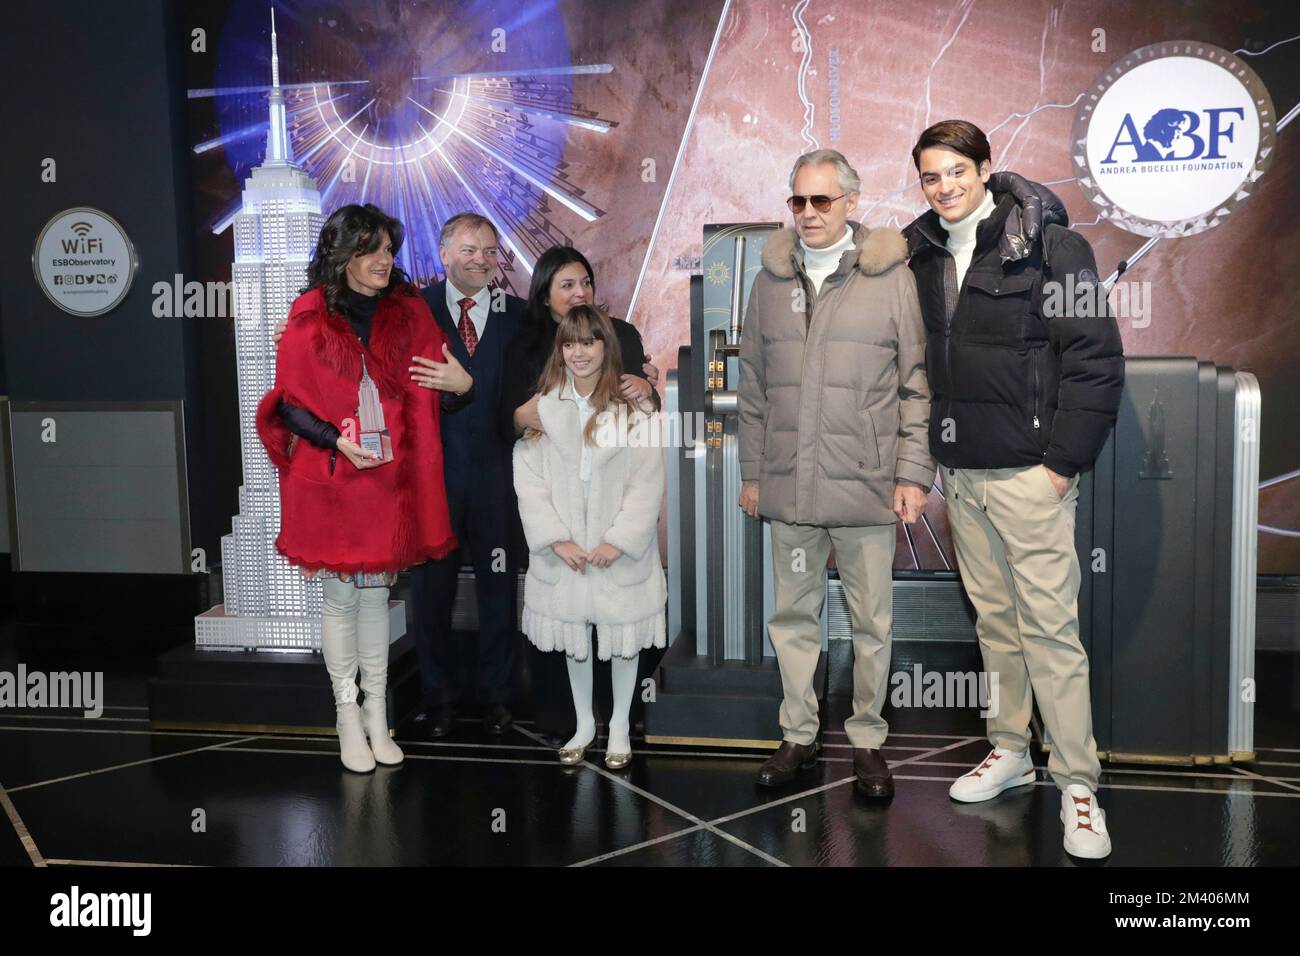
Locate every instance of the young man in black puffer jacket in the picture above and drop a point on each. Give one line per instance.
(1025, 385)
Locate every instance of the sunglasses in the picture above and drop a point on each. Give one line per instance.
(820, 203)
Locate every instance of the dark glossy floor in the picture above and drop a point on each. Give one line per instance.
(113, 791)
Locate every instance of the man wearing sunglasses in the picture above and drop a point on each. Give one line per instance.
(1024, 398)
(834, 411)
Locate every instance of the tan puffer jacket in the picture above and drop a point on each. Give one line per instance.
(834, 405)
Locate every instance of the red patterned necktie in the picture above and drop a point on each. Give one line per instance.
(466, 327)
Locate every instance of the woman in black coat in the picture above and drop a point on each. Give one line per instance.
(562, 279)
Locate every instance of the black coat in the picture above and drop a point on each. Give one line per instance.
(526, 359)
(1010, 385)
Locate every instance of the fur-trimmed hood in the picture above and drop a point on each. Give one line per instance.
(878, 251)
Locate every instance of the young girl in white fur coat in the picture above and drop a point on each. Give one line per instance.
(590, 487)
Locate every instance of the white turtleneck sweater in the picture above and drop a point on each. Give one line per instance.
(819, 263)
(961, 234)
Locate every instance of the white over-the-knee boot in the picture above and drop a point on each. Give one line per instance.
(354, 753)
(374, 713)
(339, 648)
(372, 652)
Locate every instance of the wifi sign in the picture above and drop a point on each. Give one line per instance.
(81, 245)
(84, 261)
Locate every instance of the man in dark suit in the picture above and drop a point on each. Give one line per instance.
(480, 322)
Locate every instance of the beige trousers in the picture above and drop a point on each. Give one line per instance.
(865, 559)
(1014, 538)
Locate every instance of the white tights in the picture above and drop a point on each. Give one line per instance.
(623, 672)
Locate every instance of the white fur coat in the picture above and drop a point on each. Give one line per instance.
(626, 600)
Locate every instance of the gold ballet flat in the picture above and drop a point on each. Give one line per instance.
(617, 761)
(573, 755)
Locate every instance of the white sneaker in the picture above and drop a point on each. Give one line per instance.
(1001, 770)
(1085, 824)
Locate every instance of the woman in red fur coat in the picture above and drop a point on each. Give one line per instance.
(357, 445)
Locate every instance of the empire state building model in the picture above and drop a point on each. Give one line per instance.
(269, 604)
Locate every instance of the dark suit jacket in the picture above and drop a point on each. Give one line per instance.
(505, 326)
(477, 457)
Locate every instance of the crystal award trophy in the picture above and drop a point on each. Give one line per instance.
(373, 435)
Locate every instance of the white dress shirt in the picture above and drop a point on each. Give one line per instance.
(478, 312)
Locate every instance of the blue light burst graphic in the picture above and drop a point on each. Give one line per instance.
(425, 109)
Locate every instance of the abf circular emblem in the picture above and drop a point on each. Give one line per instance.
(1172, 138)
(84, 261)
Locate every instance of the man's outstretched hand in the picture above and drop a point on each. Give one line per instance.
(448, 376)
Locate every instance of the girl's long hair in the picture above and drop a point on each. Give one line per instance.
(586, 323)
(354, 230)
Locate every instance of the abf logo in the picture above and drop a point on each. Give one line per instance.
(1172, 138)
(1171, 131)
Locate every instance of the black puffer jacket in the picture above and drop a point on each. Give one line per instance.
(1010, 385)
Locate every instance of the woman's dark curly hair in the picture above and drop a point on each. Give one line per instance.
(354, 230)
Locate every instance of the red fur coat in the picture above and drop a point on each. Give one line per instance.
(380, 519)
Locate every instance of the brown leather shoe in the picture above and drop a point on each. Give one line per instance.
(788, 760)
(873, 777)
